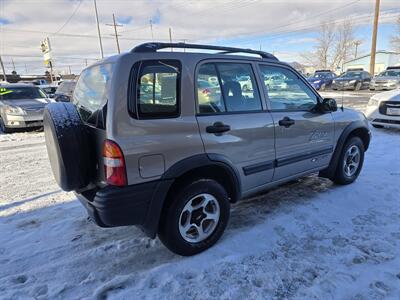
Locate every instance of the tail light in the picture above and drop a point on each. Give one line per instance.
(114, 164)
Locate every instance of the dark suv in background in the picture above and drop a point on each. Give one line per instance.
(352, 80)
(321, 79)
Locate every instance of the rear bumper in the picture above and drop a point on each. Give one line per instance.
(131, 205)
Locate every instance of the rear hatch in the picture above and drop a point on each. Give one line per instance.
(90, 97)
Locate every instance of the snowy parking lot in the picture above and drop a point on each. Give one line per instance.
(308, 239)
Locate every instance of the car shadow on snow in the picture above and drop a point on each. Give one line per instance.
(68, 239)
(254, 210)
(21, 202)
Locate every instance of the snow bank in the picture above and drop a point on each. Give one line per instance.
(308, 239)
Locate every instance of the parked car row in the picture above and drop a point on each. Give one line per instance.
(22, 104)
(356, 79)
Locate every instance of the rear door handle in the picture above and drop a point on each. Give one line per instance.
(286, 122)
(218, 127)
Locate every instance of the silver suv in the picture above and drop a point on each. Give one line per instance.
(168, 140)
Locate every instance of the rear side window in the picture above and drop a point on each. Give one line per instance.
(157, 89)
(227, 87)
(90, 94)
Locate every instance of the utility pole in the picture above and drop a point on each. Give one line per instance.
(12, 60)
(151, 30)
(356, 43)
(98, 29)
(86, 62)
(4, 71)
(170, 38)
(26, 69)
(115, 25)
(374, 34)
(69, 68)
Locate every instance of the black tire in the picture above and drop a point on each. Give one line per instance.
(377, 126)
(3, 127)
(340, 175)
(169, 233)
(67, 146)
(358, 86)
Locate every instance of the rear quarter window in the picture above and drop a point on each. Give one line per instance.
(155, 91)
(91, 90)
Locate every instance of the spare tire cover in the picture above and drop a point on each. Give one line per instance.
(67, 146)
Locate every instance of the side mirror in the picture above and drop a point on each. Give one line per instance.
(329, 104)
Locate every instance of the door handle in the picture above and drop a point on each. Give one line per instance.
(286, 122)
(218, 127)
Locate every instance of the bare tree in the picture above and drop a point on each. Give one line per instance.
(344, 43)
(333, 46)
(395, 39)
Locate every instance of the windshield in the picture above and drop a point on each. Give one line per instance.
(18, 93)
(91, 90)
(321, 75)
(393, 73)
(351, 74)
(49, 90)
(66, 87)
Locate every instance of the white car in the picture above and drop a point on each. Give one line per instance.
(383, 109)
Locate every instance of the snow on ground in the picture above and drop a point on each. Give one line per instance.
(308, 239)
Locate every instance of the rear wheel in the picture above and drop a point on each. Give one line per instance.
(195, 218)
(350, 161)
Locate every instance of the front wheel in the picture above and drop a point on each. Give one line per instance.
(195, 218)
(350, 161)
(358, 86)
(3, 127)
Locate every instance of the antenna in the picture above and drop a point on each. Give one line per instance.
(341, 106)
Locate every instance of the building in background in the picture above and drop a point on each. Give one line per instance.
(383, 59)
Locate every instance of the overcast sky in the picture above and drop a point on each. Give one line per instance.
(287, 28)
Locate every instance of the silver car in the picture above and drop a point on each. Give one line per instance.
(146, 143)
(21, 106)
(386, 80)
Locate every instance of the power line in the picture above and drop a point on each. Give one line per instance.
(76, 35)
(360, 20)
(70, 17)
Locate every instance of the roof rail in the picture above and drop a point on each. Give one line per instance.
(153, 47)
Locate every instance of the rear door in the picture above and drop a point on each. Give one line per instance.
(233, 121)
(303, 136)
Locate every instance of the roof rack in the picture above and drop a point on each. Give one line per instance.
(153, 47)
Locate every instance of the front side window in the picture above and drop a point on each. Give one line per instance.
(286, 91)
(227, 87)
(157, 89)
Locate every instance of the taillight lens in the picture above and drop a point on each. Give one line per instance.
(114, 164)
